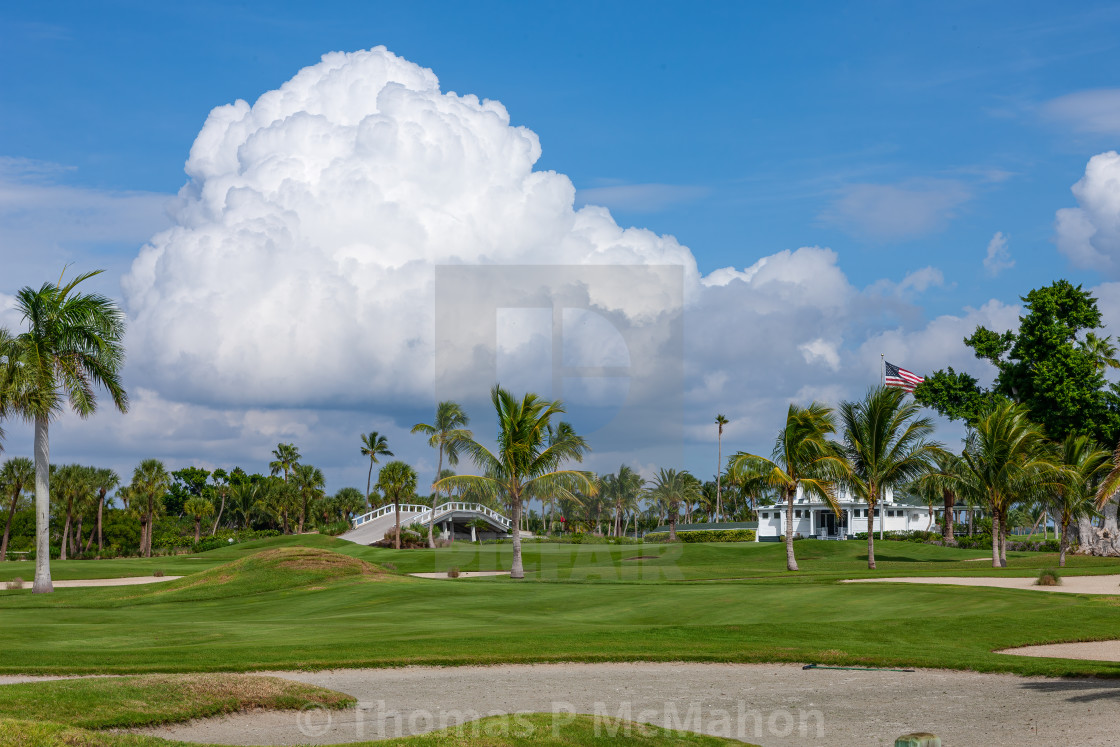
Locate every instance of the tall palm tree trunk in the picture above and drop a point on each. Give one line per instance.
(791, 561)
(435, 500)
(197, 528)
(62, 546)
(1003, 539)
(1063, 543)
(369, 477)
(8, 528)
(218, 518)
(947, 524)
(397, 510)
(100, 509)
(76, 547)
(42, 584)
(995, 539)
(517, 569)
(870, 536)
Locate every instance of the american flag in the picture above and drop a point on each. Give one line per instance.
(900, 377)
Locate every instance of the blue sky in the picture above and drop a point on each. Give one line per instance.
(901, 136)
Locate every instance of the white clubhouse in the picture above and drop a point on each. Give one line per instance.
(815, 518)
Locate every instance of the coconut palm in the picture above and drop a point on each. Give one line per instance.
(720, 422)
(373, 446)
(622, 491)
(72, 347)
(445, 433)
(69, 486)
(221, 486)
(150, 482)
(670, 489)
(885, 443)
(103, 480)
(1110, 485)
(803, 458)
(16, 477)
(1007, 458)
(397, 480)
(526, 459)
(309, 483)
(1086, 465)
(287, 457)
(198, 508)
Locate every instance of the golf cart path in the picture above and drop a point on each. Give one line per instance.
(81, 582)
(1070, 584)
(852, 707)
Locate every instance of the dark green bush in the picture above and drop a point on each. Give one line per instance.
(709, 535)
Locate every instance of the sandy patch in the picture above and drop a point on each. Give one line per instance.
(773, 701)
(462, 574)
(1070, 584)
(1091, 650)
(77, 583)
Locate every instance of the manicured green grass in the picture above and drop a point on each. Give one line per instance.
(261, 614)
(495, 731)
(756, 562)
(101, 702)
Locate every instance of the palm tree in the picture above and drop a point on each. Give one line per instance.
(150, 482)
(69, 482)
(1102, 351)
(804, 458)
(348, 501)
(671, 488)
(73, 345)
(104, 480)
(310, 484)
(622, 490)
(1005, 459)
(287, 457)
(244, 501)
(221, 484)
(526, 459)
(1110, 485)
(198, 508)
(886, 447)
(16, 477)
(446, 434)
(720, 422)
(1086, 465)
(397, 480)
(373, 446)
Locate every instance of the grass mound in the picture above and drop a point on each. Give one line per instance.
(102, 702)
(280, 568)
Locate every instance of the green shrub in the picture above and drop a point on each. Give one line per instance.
(1049, 577)
(709, 535)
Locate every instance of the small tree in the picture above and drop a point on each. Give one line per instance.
(397, 480)
(803, 458)
(198, 509)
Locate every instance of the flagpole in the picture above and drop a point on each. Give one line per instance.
(883, 382)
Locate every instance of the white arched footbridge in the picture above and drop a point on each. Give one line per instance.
(450, 517)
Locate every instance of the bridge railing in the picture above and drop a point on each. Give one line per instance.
(440, 511)
(379, 512)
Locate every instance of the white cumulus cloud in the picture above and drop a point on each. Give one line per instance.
(998, 257)
(1090, 234)
(301, 265)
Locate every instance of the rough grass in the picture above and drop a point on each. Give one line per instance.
(1049, 577)
(101, 702)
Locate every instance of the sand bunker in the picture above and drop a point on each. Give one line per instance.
(1070, 584)
(127, 581)
(1089, 650)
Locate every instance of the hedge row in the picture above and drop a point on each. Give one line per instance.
(708, 535)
